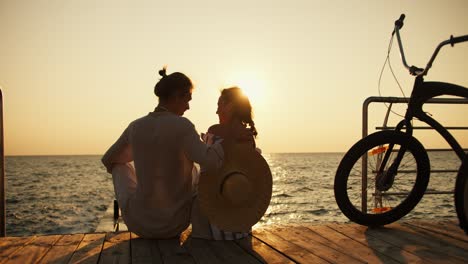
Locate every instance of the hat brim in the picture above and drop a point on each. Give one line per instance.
(221, 212)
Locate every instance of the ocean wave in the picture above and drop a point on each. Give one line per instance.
(12, 200)
(304, 189)
(282, 195)
(270, 214)
(317, 212)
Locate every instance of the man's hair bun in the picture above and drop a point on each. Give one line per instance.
(163, 72)
(173, 84)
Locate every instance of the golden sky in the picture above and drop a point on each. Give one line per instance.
(75, 73)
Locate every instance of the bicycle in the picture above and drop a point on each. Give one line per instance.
(395, 167)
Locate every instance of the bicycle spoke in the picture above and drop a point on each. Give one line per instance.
(413, 162)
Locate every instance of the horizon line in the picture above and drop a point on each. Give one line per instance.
(56, 155)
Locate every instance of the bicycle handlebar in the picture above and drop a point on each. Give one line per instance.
(399, 22)
(413, 69)
(455, 40)
(398, 26)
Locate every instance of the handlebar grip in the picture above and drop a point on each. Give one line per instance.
(455, 40)
(399, 22)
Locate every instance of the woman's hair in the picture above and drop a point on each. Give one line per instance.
(175, 83)
(241, 107)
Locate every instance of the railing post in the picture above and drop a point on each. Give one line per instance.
(2, 174)
(365, 117)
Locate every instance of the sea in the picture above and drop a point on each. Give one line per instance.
(70, 194)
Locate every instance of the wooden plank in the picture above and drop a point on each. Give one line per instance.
(116, 248)
(262, 251)
(455, 224)
(9, 245)
(452, 242)
(230, 252)
(377, 244)
(443, 228)
(312, 242)
(345, 244)
(173, 252)
(416, 244)
(413, 241)
(448, 245)
(63, 250)
(144, 250)
(89, 249)
(295, 252)
(200, 251)
(210, 251)
(33, 251)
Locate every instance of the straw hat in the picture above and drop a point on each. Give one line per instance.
(235, 196)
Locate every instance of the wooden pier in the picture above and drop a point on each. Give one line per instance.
(404, 242)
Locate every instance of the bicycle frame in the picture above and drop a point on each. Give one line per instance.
(422, 92)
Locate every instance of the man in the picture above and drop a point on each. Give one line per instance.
(155, 197)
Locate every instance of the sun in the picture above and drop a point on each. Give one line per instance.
(252, 86)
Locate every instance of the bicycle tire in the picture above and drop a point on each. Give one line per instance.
(461, 195)
(415, 188)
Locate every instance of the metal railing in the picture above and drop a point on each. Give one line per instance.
(2, 172)
(396, 100)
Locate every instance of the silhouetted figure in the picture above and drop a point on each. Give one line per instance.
(235, 120)
(155, 196)
(234, 112)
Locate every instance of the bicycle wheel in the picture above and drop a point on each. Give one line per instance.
(359, 198)
(461, 195)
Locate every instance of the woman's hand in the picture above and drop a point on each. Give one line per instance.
(235, 133)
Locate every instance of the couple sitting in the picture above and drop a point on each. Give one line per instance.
(164, 192)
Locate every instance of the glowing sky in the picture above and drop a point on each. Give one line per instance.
(75, 73)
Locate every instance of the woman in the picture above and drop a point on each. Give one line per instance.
(155, 198)
(234, 110)
(235, 114)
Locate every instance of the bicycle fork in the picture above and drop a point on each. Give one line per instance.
(386, 177)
